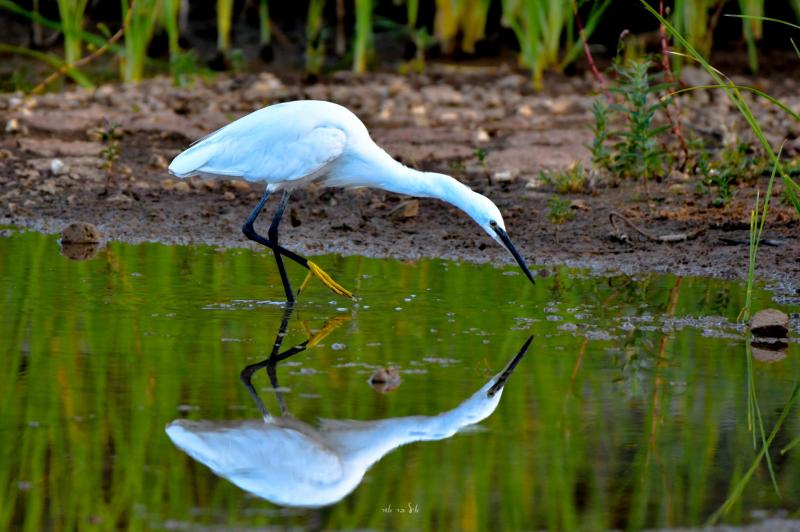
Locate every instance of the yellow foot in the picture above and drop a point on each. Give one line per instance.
(315, 270)
(330, 326)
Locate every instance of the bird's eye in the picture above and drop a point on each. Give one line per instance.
(492, 224)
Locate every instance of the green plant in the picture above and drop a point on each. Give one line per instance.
(752, 28)
(178, 64)
(224, 23)
(421, 39)
(362, 44)
(733, 91)
(637, 151)
(137, 37)
(459, 24)
(15, 81)
(71, 13)
(315, 42)
(601, 155)
(109, 136)
(559, 210)
(691, 18)
(571, 180)
(736, 162)
(539, 27)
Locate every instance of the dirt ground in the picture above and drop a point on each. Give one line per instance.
(433, 122)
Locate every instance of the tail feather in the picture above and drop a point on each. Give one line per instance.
(192, 161)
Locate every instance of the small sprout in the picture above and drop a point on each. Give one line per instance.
(559, 211)
(569, 181)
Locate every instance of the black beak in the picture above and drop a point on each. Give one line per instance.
(506, 373)
(507, 242)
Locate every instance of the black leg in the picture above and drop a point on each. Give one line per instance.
(272, 243)
(271, 364)
(280, 252)
(273, 237)
(250, 232)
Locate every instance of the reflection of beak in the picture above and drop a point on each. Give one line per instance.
(508, 244)
(506, 373)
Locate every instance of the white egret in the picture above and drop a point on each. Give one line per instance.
(289, 145)
(293, 463)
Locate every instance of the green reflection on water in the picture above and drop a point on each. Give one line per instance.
(630, 410)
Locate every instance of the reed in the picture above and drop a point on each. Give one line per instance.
(138, 34)
(363, 41)
(315, 41)
(752, 28)
(541, 28)
(693, 18)
(71, 13)
(224, 24)
(264, 31)
(473, 23)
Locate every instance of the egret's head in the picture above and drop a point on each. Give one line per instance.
(485, 212)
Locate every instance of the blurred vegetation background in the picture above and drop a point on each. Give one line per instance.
(187, 38)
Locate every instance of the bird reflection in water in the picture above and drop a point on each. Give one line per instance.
(293, 463)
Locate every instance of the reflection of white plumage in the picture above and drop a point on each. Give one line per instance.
(289, 145)
(293, 463)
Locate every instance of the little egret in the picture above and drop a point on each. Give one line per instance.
(289, 145)
(292, 463)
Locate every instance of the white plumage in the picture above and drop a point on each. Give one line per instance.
(288, 145)
(292, 463)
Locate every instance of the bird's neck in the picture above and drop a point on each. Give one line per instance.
(405, 180)
(364, 443)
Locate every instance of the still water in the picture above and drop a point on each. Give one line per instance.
(631, 408)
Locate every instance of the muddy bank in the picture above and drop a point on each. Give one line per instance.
(443, 122)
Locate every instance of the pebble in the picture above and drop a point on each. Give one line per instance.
(181, 187)
(119, 199)
(80, 233)
(57, 167)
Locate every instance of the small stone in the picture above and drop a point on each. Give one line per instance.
(404, 210)
(238, 184)
(482, 136)
(504, 175)
(119, 199)
(229, 196)
(158, 161)
(209, 185)
(181, 187)
(57, 167)
(770, 323)
(12, 126)
(579, 204)
(81, 233)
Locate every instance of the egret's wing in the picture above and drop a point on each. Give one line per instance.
(262, 152)
(252, 452)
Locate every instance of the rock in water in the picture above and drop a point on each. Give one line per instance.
(81, 233)
(770, 323)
